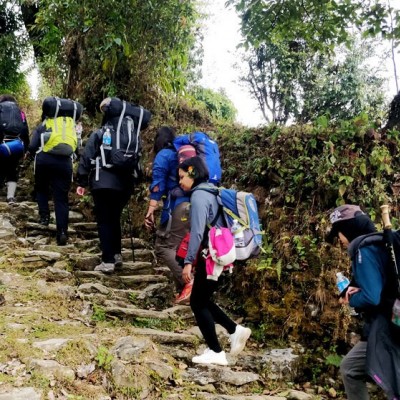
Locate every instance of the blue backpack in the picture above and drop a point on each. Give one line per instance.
(241, 206)
(207, 149)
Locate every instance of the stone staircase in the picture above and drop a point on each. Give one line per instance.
(72, 333)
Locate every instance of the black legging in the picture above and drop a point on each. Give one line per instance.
(206, 312)
(108, 206)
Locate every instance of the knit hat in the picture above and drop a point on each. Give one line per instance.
(351, 221)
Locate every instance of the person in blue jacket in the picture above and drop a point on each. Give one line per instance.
(174, 220)
(204, 212)
(366, 291)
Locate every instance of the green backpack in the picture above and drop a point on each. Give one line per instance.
(60, 137)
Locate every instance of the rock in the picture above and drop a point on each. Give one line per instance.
(51, 369)
(130, 348)
(54, 274)
(51, 345)
(281, 362)
(22, 394)
(297, 395)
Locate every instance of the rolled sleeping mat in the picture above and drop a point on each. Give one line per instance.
(11, 147)
(65, 108)
(112, 107)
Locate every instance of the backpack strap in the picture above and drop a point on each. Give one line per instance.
(121, 117)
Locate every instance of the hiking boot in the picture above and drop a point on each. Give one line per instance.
(62, 239)
(238, 339)
(211, 357)
(118, 260)
(106, 268)
(11, 200)
(184, 297)
(44, 220)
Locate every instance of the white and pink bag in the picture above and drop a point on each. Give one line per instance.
(221, 254)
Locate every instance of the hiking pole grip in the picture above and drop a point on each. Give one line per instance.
(386, 217)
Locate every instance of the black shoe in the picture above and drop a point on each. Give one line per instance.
(44, 220)
(11, 200)
(62, 239)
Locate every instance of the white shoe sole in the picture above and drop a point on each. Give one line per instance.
(242, 343)
(223, 363)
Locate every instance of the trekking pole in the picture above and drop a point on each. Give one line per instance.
(131, 230)
(389, 240)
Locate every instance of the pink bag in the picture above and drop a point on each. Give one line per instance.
(221, 253)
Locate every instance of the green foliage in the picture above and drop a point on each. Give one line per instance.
(218, 105)
(104, 358)
(108, 48)
(99, 313)
(13, 45)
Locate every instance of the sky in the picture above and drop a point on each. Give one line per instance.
(221, 36)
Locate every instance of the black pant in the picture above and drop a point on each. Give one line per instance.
(206, 312)
(58, 177)
(9, 169)
(108, 206)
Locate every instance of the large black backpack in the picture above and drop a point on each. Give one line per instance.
(12, 121)
(125, 151)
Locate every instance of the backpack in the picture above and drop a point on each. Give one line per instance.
(240, 206)
(60, 116)
(12, 120)
(206, 148)
(124, 151)
(222, 252)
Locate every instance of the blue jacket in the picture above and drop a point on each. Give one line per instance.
(165, 184)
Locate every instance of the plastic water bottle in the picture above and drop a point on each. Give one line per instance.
(238, 233)
(396, 312)
(107, 139)
(341, 282)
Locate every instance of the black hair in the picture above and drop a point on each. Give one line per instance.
(7, 97)
(199, 171)
(164, 138)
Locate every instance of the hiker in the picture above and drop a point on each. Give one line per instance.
(52, 146)
(204, 211)
(367, 293)
(111, 186)
(14, 135)
(174, 221)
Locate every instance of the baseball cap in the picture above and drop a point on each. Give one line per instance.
(342, 213)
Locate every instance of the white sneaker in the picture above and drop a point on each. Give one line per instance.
(106, 268)
(238, 339)
(211, 357)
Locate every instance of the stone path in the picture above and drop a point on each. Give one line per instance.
(71, 333)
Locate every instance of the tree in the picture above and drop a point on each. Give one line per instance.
(13, 45)
(137, 50)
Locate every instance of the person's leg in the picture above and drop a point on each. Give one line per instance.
(11, 172)
(61, 177)
(206, 312)
(353, 371)
(118, 201)
(106, 212)
(42, 184)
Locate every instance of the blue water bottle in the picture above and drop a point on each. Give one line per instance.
(107, 139)
(341, 282)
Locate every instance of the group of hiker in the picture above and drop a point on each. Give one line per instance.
(186, 184)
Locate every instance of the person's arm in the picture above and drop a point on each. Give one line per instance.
(35, 143)
(369, 278)
(85, 162)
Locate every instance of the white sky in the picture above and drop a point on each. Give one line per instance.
(221, 36)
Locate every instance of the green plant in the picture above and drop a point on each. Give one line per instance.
(104, 358)
(99, 313)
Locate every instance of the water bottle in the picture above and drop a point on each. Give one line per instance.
(396, 312)
(341, 282)
(238, 233)
(107, 139)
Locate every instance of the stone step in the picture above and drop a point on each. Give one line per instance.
(117, 281)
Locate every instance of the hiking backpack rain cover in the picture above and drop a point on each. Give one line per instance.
(207, 149)
(125, 150)
(12, 124)
(60, 137)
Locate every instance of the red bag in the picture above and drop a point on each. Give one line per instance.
(182, 249)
